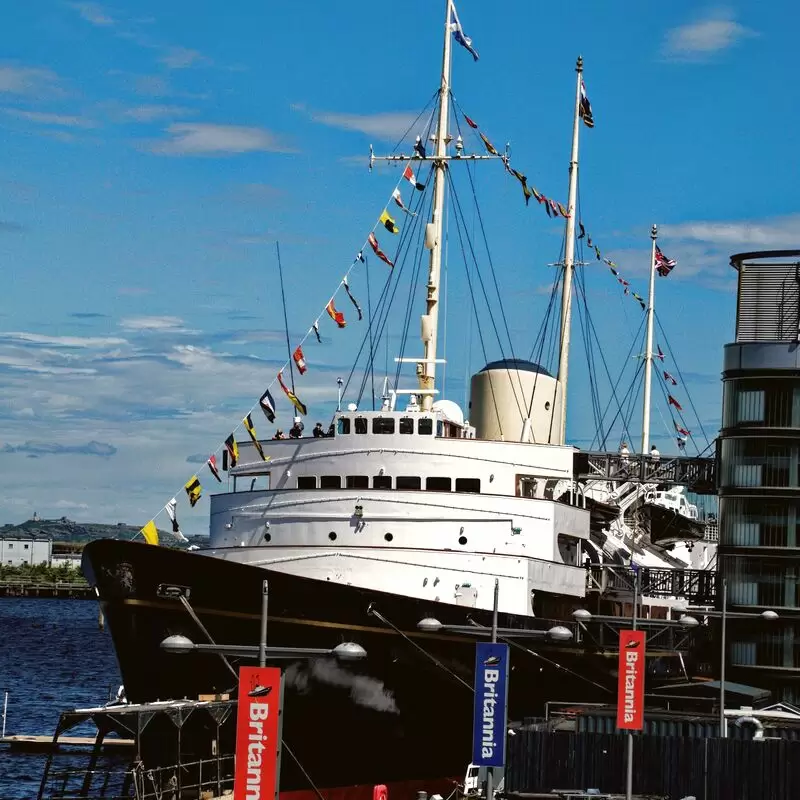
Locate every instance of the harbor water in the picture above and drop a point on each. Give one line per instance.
(53, 656)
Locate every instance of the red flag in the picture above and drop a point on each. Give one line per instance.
(668, 377)
(335, 315)
(373, 242)
(300, 360)
(673, 402)
(471, 123)
(212, 465)
(409, 175)
(682, 431)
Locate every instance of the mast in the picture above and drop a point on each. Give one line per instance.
(648, 351)
(433, 232)
(569, 259)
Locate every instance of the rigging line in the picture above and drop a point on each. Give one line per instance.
(430, 102)
(615, 384)
(369, 332)
(583, 320)
(375, 613)
(494, 277)
(285, 318)
(460, 213)
(680, 375)
(478, 327)
(621, 413)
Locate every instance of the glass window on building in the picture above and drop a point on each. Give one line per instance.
(758, 462)
(750, 406)
(759, 522)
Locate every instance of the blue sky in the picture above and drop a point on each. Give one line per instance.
(153, 153)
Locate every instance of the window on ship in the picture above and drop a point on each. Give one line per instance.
(383, 425)
(382, 482)
(360, 425)
(425, 426)
(438, 484)
(408, 482)
(468, 485)
(357, 482)
(406, 425)
(306, 481)
(330, 482)
(343, 426)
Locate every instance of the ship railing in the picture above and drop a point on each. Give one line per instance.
(699, 475)
(204, 778)
(698, 586)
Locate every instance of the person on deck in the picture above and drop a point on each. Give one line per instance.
(296, 431)
(318, 433)
(279, 434)
(655, 456)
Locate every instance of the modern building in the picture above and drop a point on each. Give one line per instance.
(759, 483)
(25, 548)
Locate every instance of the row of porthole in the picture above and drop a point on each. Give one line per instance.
(388, 536)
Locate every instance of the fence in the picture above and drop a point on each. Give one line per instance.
(664, 766)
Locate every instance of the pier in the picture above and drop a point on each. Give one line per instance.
(19, 587)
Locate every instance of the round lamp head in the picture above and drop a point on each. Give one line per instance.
(349, 651)
(581, 615)
(687, 621)
(769, 616)
(177, 644)
(559, 633)
(429, 625)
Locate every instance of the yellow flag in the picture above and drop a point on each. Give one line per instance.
(150, 533)
(388, 222)
(193, 490)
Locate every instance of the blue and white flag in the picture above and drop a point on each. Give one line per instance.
(458, 33)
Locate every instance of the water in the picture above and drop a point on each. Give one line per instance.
(53, 656)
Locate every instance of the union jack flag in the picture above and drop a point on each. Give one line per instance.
(664, 265)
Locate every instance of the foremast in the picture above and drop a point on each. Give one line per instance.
(429, 324)
(569, 258)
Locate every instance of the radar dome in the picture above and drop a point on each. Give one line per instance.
(450, 410)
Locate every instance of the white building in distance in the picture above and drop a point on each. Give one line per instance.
(21, 548)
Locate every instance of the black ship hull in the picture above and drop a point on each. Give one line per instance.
(403, 714)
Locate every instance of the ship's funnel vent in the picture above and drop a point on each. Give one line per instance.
(515, 400)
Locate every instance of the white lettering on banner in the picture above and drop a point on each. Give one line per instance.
(631, 672)
(490, 699)
(255, 746)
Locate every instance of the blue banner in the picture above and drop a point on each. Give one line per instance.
(491, 705)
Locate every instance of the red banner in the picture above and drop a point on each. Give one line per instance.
(630, 692)
(258, 734)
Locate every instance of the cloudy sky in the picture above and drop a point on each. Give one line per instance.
(154, 153)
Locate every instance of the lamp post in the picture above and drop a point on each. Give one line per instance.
(723, 615)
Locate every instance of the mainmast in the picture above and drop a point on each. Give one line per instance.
(426, 369)
(648, 350)
(569, 259)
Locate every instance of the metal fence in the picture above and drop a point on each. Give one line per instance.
(664, 766)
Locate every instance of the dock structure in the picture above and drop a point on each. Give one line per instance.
(17, 587)
(48, 743)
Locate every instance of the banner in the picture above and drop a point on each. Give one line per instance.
(258, 733)
(491, 705)
(630, 692)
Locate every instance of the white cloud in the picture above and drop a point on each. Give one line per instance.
(776, 233)
(28, 81)
(389, 125)
(61, 341)
(166, 324)
(94, 14)
(199, 138)
(182, 57)
(45, 118)
(699, 40)
(149, 113)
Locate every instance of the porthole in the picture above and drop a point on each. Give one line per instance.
(332, 536)
(462, 539)
(388, 537)
(267, 537)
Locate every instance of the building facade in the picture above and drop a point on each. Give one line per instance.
(759, 480)
(21, 549)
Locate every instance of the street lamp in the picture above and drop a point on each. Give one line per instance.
(347, 651)
(583, 615)
(558, 633)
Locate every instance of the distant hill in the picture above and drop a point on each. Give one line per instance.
(79, 533)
